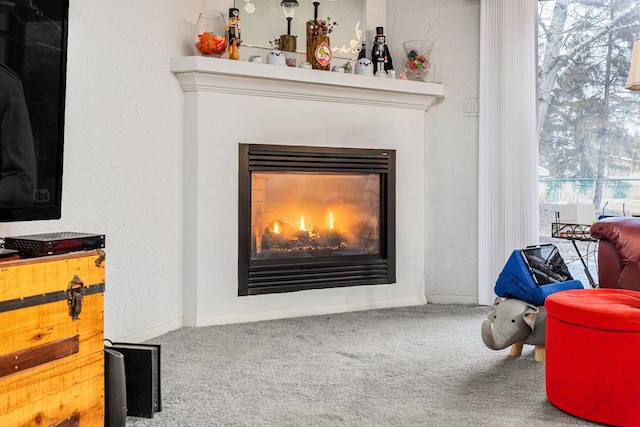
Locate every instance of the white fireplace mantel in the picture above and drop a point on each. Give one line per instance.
(197, 73)
(227, 103)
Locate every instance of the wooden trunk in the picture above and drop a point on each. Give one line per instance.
(51, 366)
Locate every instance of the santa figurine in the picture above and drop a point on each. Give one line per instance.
(380, 56)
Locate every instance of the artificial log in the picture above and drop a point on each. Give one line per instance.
(302, 241)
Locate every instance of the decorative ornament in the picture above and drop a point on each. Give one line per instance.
(380, 54)
(418, 59)
(319, 52)
(276, 57)
(323, 54)
(321, 27)
(364, 67)
(234, 34)
(211, 37)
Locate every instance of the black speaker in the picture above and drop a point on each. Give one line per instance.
(142, 371)
(115, 389)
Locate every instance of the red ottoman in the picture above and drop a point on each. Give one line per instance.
(593, 354)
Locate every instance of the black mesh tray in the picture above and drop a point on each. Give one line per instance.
(35, 245)
(545, 264)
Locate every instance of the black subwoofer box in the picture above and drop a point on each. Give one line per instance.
(142, 371)
(115, 389)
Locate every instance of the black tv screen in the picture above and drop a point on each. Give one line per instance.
(33, 57)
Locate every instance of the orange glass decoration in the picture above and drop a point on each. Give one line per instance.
(211, 38)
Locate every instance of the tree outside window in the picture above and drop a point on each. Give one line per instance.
(588, 123)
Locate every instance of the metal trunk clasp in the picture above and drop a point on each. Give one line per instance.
(75, 296)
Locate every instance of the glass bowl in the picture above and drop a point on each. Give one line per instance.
(211, 34)
(418, 54)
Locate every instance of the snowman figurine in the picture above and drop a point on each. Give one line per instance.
(276, 57)
(364, 67)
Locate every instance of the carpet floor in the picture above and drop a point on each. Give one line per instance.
(410, 366)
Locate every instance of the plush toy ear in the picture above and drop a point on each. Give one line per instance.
(529, 316)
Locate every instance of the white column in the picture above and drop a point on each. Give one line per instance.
(508, 146)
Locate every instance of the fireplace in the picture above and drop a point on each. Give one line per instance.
(314, 217)
(211, 248)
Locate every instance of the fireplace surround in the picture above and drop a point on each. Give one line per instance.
(232, 102)
(314, 217)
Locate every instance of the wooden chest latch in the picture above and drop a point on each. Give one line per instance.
(75, 296)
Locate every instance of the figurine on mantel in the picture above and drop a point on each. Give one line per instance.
(234, 34)
(380, 56)
(276, 57)
(364, 67)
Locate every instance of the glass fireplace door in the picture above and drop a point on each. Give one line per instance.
(305, 215)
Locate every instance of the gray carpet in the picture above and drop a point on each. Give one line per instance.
(414, 366)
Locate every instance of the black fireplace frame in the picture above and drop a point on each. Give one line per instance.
(257, 277)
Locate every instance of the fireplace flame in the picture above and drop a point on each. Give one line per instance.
(276, 227)
(302, 226)
(330, 220)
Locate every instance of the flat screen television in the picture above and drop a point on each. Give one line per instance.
(33, 58)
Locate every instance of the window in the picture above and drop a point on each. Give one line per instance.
(588, 123)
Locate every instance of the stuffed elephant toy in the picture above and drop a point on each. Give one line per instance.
(512, 321)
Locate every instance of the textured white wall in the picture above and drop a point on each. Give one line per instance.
(122, 171)
(123, 149)
(452, 152)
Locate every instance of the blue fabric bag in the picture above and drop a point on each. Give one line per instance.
(534, 273)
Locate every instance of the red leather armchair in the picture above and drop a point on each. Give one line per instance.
(618, 252)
